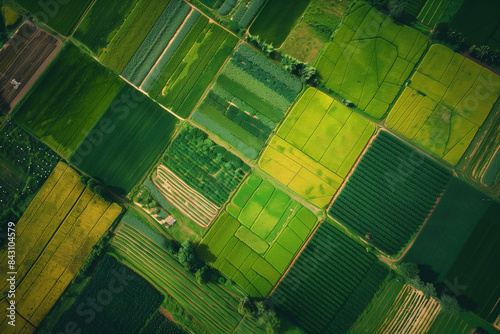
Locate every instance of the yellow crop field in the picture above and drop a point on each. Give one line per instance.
(447, 101)
(316, 147)
(54, 237)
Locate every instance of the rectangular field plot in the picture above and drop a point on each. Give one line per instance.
(369, 59)
(204, 165)
(254, 242)
(399, 309)
(250, 97)
(213, 308)
(69, 98)
(23, 58)
(125, 142)
(316, 146)
(187, 72)
(183, 197)
(330, 283)
(447, 101)
(131, 302)
(276, 19)
(477, 267)
(54, 237)
(61, 16)
(390, 193)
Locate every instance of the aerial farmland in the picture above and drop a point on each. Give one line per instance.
(250, 166)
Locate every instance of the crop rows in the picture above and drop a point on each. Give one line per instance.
(204, 165)
(212, 306)
(190, 70)
(330, 283)
(390, 193)
(186, 199)
(133, 301)
(246, 12)
(159, 324)
(155, 42)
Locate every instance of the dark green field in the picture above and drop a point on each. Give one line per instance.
(477, 267)
(276, 20)
(126, 141)
(447, 230)
(479, 22)
(62, 16)
(115, 300)
(69, 98)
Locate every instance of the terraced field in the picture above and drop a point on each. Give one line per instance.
(399, 309)
(67, 100)
(316, 146)
(254, 242)
(190, 202)
(447, 101)
(54, 237)
(369, 58)
(249, 99)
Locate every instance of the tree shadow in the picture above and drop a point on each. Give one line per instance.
(203, 252)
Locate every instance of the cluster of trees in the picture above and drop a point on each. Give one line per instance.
(305, 72)
(187, 257)
(145, 198)
(98, 250)
(261, 313)
(411, 274)
(96, 186)
(395, 9)
(456, 41)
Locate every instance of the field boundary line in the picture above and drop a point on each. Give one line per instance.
(83, 17)
(167, 47)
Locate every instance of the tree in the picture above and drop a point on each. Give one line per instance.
(409, 270)
(246, 306)
(84, 179)
(450, 304)
(270, 321)
(289, 63)
(202, 274)
(397, 8)
(306, 73)
(187, 257)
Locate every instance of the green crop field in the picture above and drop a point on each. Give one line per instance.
(330, 283)
(132, 33)
(156, 41)
(256, 239)
(159, 324)
(133, 300)
(447, 101)
(276, 20)
(67, 100)
(204, 165)
(369, 59)
(394, 304)
(125, 142)
(447, 230)
(462, 323)
(249, 99)
(102, 22)
(477, 20)
(190, 70)
(432, 12)
(477, 267)
(390, 193)
(316, 147)
(62, 16)
(212, 306)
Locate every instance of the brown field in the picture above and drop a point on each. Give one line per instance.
(23, 58)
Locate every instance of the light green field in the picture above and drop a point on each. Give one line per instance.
(369, 59)
(256, 239)
(447, 101)
(316, 147)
